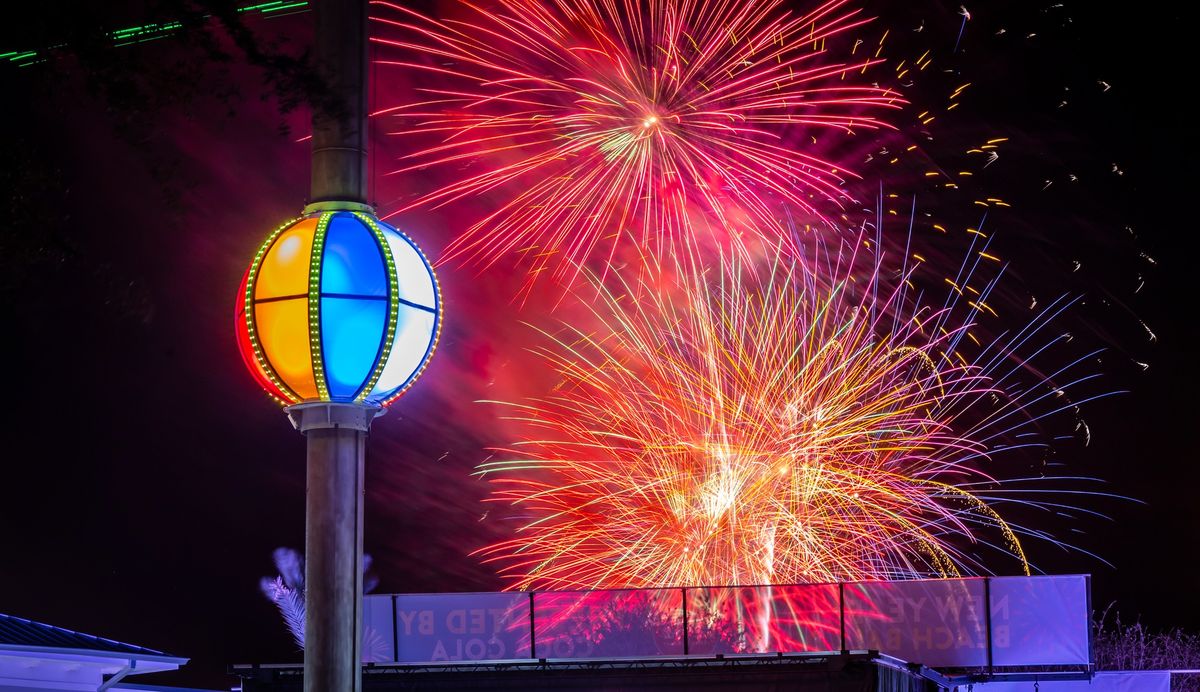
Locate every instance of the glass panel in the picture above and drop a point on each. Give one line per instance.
(1040, 621)
(410, 348)
(416, 278)
(351, 331)
(937, 622)
(462, 626)
(284, 271)
(353, 263)
(377, 629)
(604, 624)
(282, 327)
(762, 619)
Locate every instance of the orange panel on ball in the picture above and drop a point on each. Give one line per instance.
(282, 327)
(284, 269)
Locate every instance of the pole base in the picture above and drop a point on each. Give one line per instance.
(323, 415)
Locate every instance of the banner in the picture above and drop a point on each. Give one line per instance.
(378, 643)
(937, 622)
(461, 627)
(763, 619)
(941, 623)
(608, 624)
(1133, 681)
(1040, 621)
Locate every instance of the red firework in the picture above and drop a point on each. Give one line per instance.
(656, 121)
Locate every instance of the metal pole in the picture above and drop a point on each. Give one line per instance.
(333, 542)
(987, 621)
(532, 631)
(842, 614)
(336, 433)
(683, 592)
(339, 142)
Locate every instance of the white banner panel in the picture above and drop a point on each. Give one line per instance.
(942, 623)
(378, 645)
(1040, 621)
(462, 627)
(763, 619)
(1114, 681)
(937, 622)
(609, 624)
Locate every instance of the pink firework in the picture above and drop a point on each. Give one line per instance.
(656, 121)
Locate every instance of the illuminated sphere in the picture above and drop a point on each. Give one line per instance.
(338, 306)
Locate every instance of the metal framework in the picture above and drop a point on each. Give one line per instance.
(647, 672)
(668, 669)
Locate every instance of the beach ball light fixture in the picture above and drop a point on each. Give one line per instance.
(338, 306)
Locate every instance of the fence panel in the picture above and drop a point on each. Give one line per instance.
(378, 642)
(1032, 621)
(462, 627)
(1040, 621)
(763, 619)
(937, 622)
(608, 624)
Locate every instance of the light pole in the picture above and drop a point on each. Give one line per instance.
(338, 314)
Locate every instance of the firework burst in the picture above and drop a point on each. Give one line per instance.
(770, 425)
(656, 121)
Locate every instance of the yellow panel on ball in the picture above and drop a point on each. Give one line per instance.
(284, 270)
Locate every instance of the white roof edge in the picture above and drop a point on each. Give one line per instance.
(63, 652)
(141, 687)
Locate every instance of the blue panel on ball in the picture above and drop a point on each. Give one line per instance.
(351, 333)
(353, 263)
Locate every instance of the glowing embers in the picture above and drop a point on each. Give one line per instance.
(338, 307)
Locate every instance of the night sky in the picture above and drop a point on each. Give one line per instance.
(146, 480)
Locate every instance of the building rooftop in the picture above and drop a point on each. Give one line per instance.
(15, 631)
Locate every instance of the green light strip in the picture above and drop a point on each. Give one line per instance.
(120, 37)
(121, 34)
(140, 40)
(251, 280)
(393, 306)
(314, 306)
(285, 7)
(261, 6)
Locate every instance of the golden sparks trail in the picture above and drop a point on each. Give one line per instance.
(772, 424)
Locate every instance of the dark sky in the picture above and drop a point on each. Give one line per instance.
(145, 481)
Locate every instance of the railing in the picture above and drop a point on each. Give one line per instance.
(979, 623)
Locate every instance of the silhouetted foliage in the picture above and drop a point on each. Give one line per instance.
(1121, 646)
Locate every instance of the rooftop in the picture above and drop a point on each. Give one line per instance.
(19, 632)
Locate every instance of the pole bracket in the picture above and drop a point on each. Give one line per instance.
(319, 415)
(336, 205)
